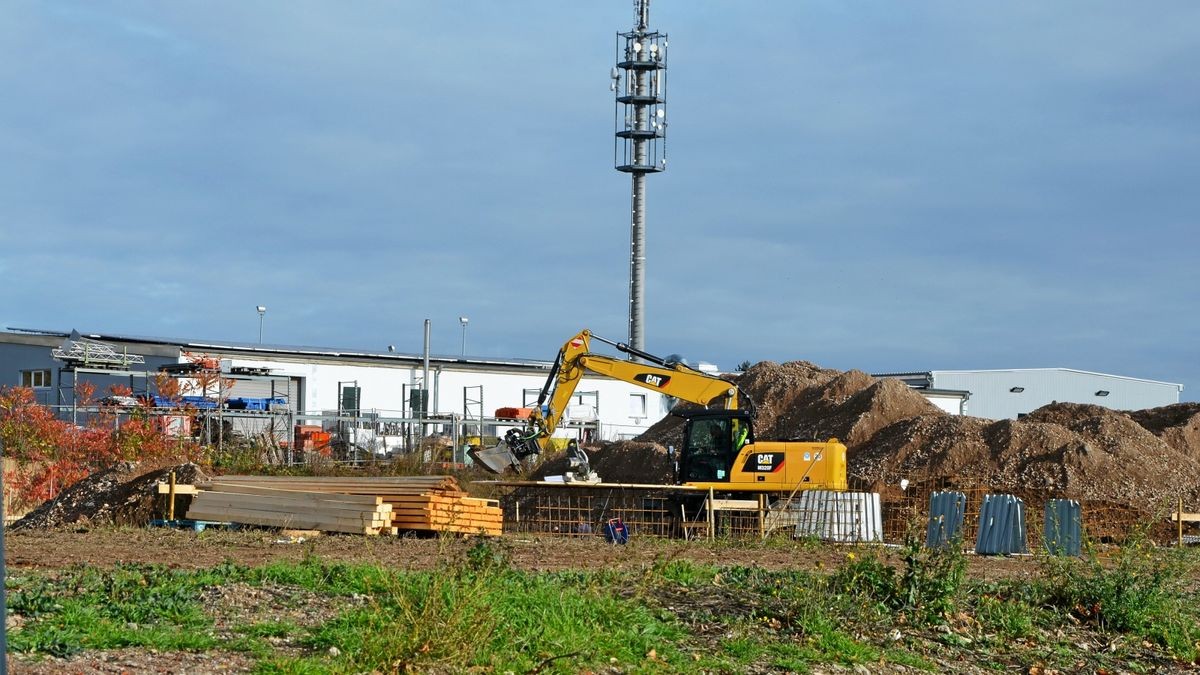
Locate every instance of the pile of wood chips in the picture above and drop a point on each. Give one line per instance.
(357, 505)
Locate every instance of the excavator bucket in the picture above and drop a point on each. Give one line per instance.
(497, 459)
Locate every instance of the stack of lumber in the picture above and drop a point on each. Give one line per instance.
(294, 509)
(426, 503)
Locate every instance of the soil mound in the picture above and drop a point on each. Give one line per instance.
(922, 447)
(800, 401)
(1178, 425)
(620, 462)
(1075, 451)
(775, 388)
(1072, 450)
(851, 407)
(120, 494)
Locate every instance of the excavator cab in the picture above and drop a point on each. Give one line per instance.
(711, 442)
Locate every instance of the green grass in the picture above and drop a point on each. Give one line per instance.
(914, 608)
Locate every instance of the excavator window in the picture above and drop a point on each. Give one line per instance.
(707, 452)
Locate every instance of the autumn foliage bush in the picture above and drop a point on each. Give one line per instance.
(50, 454)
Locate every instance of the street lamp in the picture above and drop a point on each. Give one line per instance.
(463, 320)
(262, 310)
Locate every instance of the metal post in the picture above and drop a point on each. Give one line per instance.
(463, 320)
(712, 520)
(171, 499)
(424, 385)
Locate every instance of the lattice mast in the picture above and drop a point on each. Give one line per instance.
(640, 146)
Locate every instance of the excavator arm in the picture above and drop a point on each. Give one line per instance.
(574, 360)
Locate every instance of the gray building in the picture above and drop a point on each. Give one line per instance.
(1001, 394)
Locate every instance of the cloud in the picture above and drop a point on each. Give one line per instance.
(880, 186)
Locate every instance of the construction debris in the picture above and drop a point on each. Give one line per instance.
(123, 494)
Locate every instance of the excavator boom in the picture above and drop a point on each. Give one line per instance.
(574, 361)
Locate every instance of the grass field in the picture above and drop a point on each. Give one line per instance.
(891, 610)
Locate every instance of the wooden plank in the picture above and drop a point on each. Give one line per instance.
(275, 520)
(219, 503)
(389, 490)
(298, 494)
(490, 531)
(180, 489)
(289, 520)
(447, 510)
(466, 522)
(277, 503)
(431, 499)
(1185, 517)
(735, 504)
(444, 482)
(234, 512)
(480, 500)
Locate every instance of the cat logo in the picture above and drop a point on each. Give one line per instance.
(653, 379)
(764, 462)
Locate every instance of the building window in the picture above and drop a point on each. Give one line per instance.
(35, 379)
(637, 405)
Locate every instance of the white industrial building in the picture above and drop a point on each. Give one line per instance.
(318, 382)
(1009, 394)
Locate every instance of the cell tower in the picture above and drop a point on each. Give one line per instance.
(640, 147)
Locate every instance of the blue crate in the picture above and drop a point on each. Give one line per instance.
(254, 403)
(199, 402)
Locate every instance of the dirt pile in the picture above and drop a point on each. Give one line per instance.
(1178, 425)
(893, 432)
(122, 494)
(851, 407)
(800, 401)
(620, 462)
(1073, 450)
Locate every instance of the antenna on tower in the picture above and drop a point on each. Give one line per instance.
(640, 146)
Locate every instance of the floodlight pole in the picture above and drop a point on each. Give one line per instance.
(262, 310)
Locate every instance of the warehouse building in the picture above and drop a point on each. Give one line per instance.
(317, 383)
(1010, 394)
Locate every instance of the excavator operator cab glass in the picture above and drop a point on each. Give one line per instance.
(708, 450)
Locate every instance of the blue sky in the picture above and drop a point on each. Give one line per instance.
(876, 185)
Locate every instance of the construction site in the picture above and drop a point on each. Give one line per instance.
(194, 505)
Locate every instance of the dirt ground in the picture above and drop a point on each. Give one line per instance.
(107, 546)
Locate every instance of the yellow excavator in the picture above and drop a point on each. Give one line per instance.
(719, 448)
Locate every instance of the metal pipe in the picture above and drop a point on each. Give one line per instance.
(425, 383)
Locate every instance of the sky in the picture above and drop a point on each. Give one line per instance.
(875, 185)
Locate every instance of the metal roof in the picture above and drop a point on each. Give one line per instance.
(296, 350)
(932, 373)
